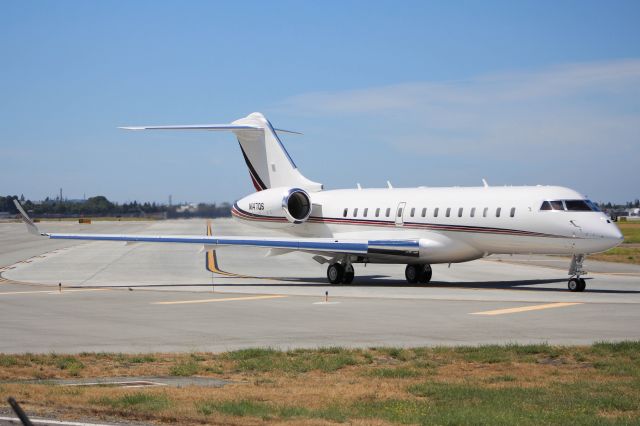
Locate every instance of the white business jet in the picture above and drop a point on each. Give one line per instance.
(413, 226)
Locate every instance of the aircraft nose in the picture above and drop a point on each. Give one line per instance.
(614, 233)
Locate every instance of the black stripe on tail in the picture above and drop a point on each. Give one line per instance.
(255, 178)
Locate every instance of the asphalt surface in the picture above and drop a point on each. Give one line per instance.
(151, 297)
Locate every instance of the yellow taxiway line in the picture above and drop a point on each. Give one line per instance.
(225, 299)
(526, 308)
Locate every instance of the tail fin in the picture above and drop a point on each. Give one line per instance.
(268, 161)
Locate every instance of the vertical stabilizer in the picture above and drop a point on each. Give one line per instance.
(268, 161)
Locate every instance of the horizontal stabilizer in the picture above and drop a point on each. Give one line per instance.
(208, 127)
(269, 163)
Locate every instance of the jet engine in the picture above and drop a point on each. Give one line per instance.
(275, 205)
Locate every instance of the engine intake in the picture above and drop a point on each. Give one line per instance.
(296, 205)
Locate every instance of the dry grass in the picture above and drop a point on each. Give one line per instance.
(599, 384)
(621, 254)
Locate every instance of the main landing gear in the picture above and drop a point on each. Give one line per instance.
(418, 273)
(338, 273)
(575, 270)
(343, 273)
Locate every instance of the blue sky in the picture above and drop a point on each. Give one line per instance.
(420, 93)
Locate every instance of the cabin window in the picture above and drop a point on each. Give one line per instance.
(435, 212)
(498, 210)
(413, 211)
(473, 212)
(388, 211)
(344, 213)
(355, 212)
(366, 210)
(378, 212)
(460, 212)
(424, 212)
(400, 212)
(484, 212)
(448, 213)
(513, 212)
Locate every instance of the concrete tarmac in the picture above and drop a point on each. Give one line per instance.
(154, 297)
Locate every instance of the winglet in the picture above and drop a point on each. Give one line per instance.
(31, 227)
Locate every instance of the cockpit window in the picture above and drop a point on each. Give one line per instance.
(570, 205)
(593, 206)
(557, 205)
(577, 206)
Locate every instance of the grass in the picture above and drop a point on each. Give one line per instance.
(184, 368)
(631, 231)
(628, 251)
(7, 360)
(512, 384)
(142, 359)
(138, 402)
(393, 373)
(297, 361)
(70, 364)
(619, 254)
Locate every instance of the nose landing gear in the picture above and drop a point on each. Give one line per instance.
(576, 284)
(575, 270)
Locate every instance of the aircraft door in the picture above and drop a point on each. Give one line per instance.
(400, 214)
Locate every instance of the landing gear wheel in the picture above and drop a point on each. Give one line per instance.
(574, 284)
(412, 273)
(583, 284)
(349, 274)
(335, 272)
(425, 274)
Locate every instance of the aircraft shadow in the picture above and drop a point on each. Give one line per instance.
(381, 281)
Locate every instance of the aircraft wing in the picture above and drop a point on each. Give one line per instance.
(311, 245)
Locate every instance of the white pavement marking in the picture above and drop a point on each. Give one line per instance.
(52, 422)
(326, 303)
(526, 308)
(226, 299)
(64, 290)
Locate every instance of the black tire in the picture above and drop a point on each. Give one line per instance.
(583, 284)
(574, 284)
(412, 273)
(335, 272)
(349, 274)
(425, 274)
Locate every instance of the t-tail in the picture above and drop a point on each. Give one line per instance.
(269, 163)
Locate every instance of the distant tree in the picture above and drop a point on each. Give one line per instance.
(98, 205)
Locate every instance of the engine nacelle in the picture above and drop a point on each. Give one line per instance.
(275, 205)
